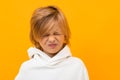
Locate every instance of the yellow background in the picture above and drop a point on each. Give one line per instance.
(95, 27)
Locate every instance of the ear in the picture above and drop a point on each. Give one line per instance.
(65, 41)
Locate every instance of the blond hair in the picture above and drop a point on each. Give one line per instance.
(43, 19)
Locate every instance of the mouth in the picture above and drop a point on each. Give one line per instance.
(52, 45)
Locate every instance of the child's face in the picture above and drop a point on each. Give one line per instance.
(52, 41)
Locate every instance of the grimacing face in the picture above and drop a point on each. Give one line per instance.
(53, 41)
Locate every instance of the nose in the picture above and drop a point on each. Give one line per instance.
(51, 38)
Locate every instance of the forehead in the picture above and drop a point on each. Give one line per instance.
(55, 28)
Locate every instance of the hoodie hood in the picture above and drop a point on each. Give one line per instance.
(45, 59)
(60, 67)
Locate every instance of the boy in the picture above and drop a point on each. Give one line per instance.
(51, 58)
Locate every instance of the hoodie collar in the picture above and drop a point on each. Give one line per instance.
(60, 56)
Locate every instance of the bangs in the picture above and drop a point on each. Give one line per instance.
(49, 23)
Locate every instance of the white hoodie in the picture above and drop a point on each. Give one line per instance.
(60, 67)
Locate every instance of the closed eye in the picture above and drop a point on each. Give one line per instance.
(45, 35)
(56, 33)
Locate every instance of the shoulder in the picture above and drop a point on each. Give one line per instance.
(77, 61)
(27, 64)
(81, 68)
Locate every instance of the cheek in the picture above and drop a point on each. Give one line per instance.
(42, 42)
(62, 40)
